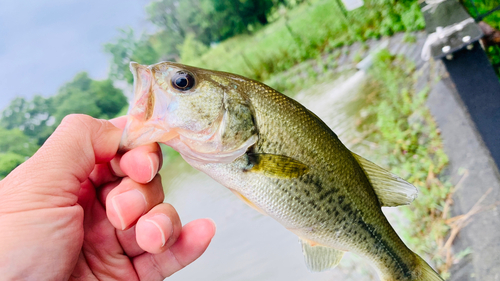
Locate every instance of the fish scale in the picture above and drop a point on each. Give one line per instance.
(312, 207)
(279, 158)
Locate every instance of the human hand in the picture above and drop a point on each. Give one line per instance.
(76, 210)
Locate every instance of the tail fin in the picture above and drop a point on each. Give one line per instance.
(425, 271)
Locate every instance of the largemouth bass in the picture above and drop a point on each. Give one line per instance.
(279, 158)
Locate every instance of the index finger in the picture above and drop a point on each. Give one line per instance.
(66, 160)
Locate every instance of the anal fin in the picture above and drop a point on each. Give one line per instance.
(320, 258)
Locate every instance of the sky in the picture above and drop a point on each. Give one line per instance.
(43, 44)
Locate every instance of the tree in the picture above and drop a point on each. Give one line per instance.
(167, 15)
(14, 141)
(31, 117)
(99, 99)
(205, 21)
(8, 162)
(108, 99)
(209, 20)
(38, 118)
(15, 148)
(127, 48)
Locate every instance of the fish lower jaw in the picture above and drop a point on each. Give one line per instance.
(188, 152)
(194, 157)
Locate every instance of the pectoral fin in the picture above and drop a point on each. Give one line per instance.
(320, 258)
(276, 166)
(391, 190)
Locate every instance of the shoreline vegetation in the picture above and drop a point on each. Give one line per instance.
(409, 143)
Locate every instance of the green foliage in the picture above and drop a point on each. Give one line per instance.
(75, 97)
(38, 117)
(127, 48)
(299, 31)
(408, 138)
(481, 7)
(191, 48)
(210, 20)
(15, 148)
(8, 162)
(183, 25)
(26, 124)
(14, 141)
(31, 117)
(305, 32)
(98, 99)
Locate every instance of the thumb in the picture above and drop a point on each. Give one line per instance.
(53, 176)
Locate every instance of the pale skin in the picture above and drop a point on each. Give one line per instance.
(77, 210)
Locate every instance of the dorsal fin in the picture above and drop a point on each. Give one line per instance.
(320, 258)
(391, 190)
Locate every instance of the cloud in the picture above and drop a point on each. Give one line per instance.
(45, 43)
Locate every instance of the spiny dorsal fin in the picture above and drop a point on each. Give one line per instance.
(391, 190)
(320, 258)
(276, 166)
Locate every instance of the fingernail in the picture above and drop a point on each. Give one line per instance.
(162, 222)
(119, 122)
(213, 223)
(114, 164)
(154, 162)
(131, 203)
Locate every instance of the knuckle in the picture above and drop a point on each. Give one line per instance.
(73, 119)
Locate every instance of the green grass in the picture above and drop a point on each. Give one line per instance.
(408, 142)
(305, 32)
(481, 8)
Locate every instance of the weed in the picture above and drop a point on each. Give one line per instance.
(410, 145)
(409, 38)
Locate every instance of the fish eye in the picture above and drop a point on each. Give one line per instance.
(182, 80)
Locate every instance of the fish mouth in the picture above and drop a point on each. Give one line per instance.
(139, 133)
(143, 127)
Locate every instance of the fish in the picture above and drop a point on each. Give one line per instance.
(279, 158)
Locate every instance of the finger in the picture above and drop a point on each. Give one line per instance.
(119, 122)
(158, 229)
(142, 163)
(67, 158)
(192, 242)
(154, 232)
(102, 174)
(129, 200)
(128, 242)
